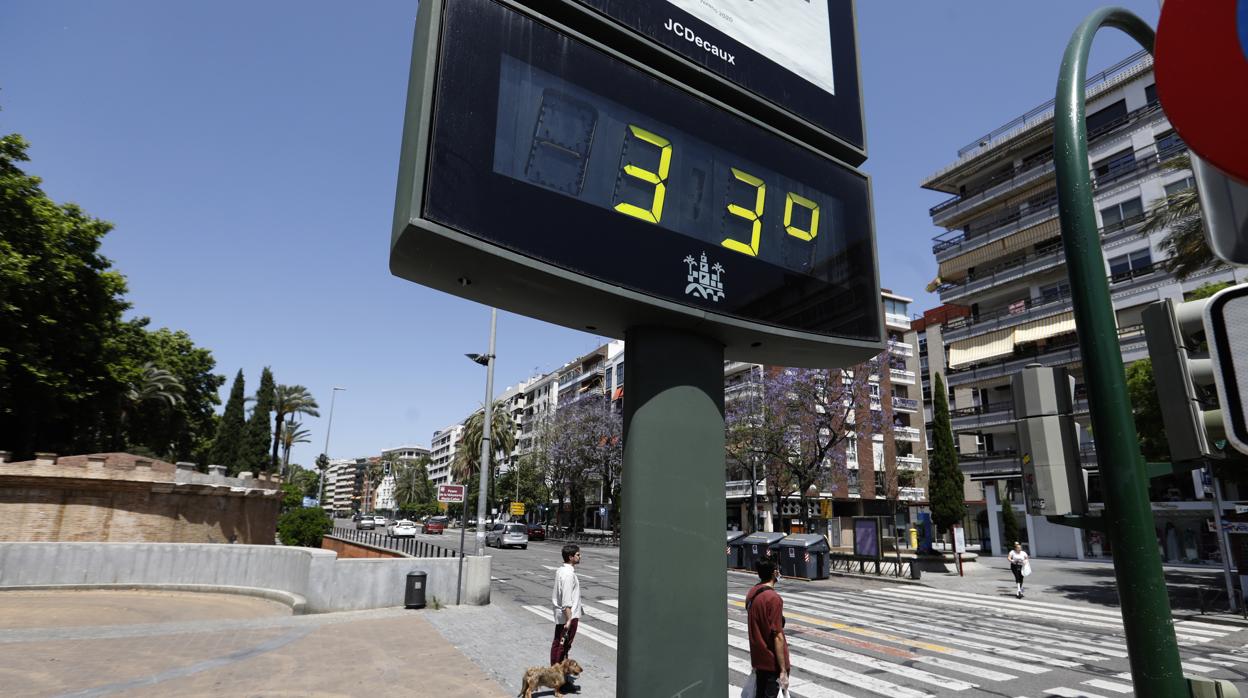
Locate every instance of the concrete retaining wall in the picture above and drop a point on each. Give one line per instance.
(317, 577)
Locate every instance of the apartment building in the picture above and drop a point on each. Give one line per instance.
(1001, 259)
(348, 481)
(873, 458)
(443, 447)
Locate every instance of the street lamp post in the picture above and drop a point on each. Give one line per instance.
(332, 396)
(484, 479)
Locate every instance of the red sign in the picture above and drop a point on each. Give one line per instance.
(1202, 78)
(450, 493)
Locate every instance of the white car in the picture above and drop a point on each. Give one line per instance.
(379, 520)
(402, 529)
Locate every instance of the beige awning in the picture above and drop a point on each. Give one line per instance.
(954, 269)
(1061, 323)
(985, 346)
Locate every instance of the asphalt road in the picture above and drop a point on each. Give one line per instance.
(858, 637)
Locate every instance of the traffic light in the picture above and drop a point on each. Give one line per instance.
(1048, 439)
(1184, 376)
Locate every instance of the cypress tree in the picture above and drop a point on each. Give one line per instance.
(255, 448)
(948, 504)
(226, 445)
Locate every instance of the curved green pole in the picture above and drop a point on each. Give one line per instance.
(1151, 643)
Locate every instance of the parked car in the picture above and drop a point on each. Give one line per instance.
(402, 529)
(365, 523)
(436, 524)
(379, 520)
(537, 531)
(506, 535)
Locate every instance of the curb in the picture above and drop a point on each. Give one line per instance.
(1218, 619)
(298, 604)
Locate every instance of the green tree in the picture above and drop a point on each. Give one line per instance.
(502, 437)
(292, 433)
(152, 385)
(1146, 408)
(532, 486)
(1009, 524)
(289, 400)
(256, 442)
(322, 466)
(1205, 290)
(1179, 214)
(304, 527)
(226, 446)
(412, 487)
(60, 307)
(947, 487)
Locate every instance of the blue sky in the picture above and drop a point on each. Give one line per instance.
(247, 154)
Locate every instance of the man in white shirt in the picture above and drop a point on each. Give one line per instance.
(566, 600)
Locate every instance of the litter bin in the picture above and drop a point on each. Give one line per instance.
(414, 593)
(804, 555)
(757, 545)
(734, 549)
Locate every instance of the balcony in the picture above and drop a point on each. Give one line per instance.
(988, 465)
(905, 404)
(979, 417)
(905, 433)
(737, 488)
(911, 494)
(1026, 173)
(901, 349)
(909, 463)
(1130, 338)
(897, 320)
(901, 376)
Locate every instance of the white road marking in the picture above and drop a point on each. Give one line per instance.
(1071, 693)
(835, 673)
(1109, 686)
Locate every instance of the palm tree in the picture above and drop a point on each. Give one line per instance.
(373, 473)
(153, 384)
(502, 436)
(1180, 216)
(292, 433)
(411, 484)
(289, 400)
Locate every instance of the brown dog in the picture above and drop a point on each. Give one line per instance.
(554, 676)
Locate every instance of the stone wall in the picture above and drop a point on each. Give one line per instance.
(310, 580)
(120, 497)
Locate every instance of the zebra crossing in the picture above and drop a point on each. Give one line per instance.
(917, 642)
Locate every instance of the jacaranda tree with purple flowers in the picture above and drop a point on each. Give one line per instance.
(580, 447)
(792, 423)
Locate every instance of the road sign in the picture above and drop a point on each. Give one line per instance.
(1202, 78)
(1226, 326)
(1224, 203)
(517, 508)
(451, 493)
(532, 186)
(791, 64)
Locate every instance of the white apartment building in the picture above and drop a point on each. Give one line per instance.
(342, 484)
(444, 446)
(1001, 260)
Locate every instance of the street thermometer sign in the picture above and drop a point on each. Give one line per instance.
(545, 173)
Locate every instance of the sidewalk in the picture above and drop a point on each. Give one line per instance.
(151, 643)
(1057, 580)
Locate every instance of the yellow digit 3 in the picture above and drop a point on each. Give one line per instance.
(658, 179)
(757, 225)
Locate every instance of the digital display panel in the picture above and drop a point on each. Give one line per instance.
(564, 153)
(566, 139)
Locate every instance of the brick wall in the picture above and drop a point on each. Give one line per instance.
(347, 549)
(125, 498)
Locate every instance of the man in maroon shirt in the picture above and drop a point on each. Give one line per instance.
(769, 652)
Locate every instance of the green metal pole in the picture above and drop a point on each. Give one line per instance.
(673, 590)
(1151, 643)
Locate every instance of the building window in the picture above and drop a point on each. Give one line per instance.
(1180, 185)
(1053, 292)
(1118, 163)
(1105, 119)
(1169, 144)
(1127, 266)
(896, 307)
(619, 373)
(1125, 211)
(1150, 93)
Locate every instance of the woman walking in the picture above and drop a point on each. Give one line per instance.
(1018, 562)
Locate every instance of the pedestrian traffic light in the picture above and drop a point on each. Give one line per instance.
(1183, 373)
